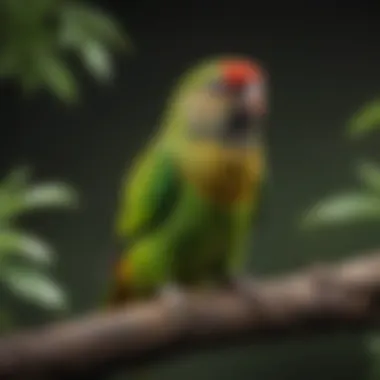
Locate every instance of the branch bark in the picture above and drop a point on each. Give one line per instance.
(335, 297)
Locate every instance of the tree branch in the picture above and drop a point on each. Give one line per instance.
(335, 297)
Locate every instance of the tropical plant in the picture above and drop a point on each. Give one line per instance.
(39, 42)
(40, 38)
(356, 206)
(24, 257)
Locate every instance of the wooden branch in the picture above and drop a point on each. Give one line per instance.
(337, 297)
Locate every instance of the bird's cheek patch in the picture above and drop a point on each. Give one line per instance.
(206, 109)
(255, 98)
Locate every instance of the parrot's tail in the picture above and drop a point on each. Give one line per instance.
(117, 292)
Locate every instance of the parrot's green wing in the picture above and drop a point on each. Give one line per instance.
(149, 194)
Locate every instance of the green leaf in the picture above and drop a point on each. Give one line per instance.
(344, 209)
(17, 179)
(36, 36)
(34, 287)
(93, 24)
(12, 189)
(49, 195)
(9, 209)
(58, 78)
(34, 197)
(366, 120)
(369, 173)
(98, 61)
(28, 246)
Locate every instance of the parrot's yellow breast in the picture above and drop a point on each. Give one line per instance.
(224, 174)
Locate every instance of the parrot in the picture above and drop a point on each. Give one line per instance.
(193, 196)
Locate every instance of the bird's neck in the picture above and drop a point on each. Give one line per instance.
(222, 173)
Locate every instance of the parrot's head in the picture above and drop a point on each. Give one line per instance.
(221, 100)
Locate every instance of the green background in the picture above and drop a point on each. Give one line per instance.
(323, 61)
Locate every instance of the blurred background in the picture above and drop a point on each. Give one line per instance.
(83, 85)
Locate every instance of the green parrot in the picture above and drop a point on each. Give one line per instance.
(190, 202)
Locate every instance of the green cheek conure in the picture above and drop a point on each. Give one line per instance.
(190, 203)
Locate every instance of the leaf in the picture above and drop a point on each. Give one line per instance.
(34, 287)
(12, 188)
(369, 173)
(35, 197)
(28, 246)
(344, 209)
(98, 61)
(48, 195)
(17, 196)
(17, 179)
(91, 23)
(366, 120)
(58, 78)
(92, 35)
(36, 36)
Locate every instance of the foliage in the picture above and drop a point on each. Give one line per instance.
(38, 39)
(366, 120)
(40, 42)
(24, 258)
(356, 206)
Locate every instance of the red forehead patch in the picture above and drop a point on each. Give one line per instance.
(237, 72)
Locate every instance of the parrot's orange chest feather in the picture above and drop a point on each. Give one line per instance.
(223, 174)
